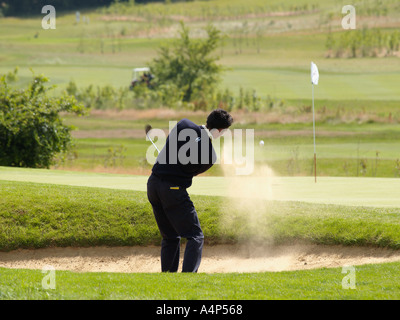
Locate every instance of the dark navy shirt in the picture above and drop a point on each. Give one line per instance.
(188, 152)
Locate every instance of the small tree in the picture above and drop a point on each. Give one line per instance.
(31, 129)
(189, 64)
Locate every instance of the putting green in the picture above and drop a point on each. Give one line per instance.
(378, 192)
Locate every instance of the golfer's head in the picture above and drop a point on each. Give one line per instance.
(218, 121)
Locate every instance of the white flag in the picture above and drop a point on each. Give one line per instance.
(314, 73)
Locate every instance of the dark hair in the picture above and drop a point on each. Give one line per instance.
(219, 119)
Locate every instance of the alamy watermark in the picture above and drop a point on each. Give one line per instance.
(238, 148)
(349, 281)
(49, 20)
(349, 20)
(49, 280)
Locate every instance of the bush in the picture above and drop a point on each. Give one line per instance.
(31, 130)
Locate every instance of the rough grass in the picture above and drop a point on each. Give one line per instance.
(39, 215)
(34, 215)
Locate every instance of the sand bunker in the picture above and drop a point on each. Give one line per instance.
(221, 258)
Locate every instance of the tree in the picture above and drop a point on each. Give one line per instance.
(31, 129)
(189, 64)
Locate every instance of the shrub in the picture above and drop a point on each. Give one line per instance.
(31, 130)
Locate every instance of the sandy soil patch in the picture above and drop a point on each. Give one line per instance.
(216, 259)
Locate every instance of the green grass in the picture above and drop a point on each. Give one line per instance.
(96, 153)
(373, 282)
(34, 215)
(41, 215)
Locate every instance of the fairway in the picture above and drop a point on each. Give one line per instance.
(293, 84)
(373, 192)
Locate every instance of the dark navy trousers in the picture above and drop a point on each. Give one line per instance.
(176, 218)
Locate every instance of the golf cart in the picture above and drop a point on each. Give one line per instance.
(141, 75)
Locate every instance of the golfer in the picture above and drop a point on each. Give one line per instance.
(188, 152)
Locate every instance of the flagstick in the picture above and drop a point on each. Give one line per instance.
(315, 153)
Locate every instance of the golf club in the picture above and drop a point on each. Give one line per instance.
(147, 128)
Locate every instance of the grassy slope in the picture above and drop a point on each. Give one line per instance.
(41, 215)
(44, 215)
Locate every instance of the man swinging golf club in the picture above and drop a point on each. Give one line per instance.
(188, 151)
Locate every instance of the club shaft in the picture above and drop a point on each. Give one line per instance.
(152, 143)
